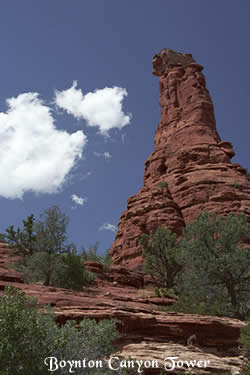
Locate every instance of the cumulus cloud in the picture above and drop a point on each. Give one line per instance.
(105, 154)
(101, 108)
(34, 155)
(78, 200)
(107, 226)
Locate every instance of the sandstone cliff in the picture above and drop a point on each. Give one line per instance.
(147, 333)
(190, 170)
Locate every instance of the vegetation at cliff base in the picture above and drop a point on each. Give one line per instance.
(244, 340)
(45, 254)
(91, 254)
(160, 255)
(29, 335)
(214, 265)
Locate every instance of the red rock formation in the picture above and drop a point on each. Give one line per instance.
(189, 159)
(147, 333)
(6, 260)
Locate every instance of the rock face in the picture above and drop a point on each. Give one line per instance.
(146, 333)
(190, 170)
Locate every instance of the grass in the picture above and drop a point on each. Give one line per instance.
(162, 184)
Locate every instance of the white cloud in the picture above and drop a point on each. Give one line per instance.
(78, 200)
(34, 155)
(101, 108)
(107, 226)
(105, 154)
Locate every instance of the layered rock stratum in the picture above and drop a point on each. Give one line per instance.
(190, 170)
(146, 333)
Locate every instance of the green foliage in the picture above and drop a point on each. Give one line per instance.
(107, 259)
(2, 239)
(22, 241)
(29, 335)
(38, 266)
(244, 340)
(46, 257)
(217, 266)
(50, 241)
(51, 231)
(90, 254)
(165, 293)
(236, 185)
(157, 292)
(160, 252)
(26, 335)
(72, 273)
(190, 305)
(162, 184)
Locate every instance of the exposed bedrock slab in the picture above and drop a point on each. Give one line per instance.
(189, 157)
(146, 333)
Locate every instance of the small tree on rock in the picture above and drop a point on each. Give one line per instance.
(217, 264)
(160, 252)
(22, 241)
(46, 256)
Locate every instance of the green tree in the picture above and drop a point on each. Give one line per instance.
(29, 334)
(22, 241)
(217, 264)
(51, 231)
(160, 252)
(72, 273)
(40, 244)
(51, 240)
(2, 239)
(26, 335)
(90, 254)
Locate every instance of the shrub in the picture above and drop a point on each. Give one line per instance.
(165, 293)
(90, 254)
(22, 241)
(46, 256)
(29, 335)
(157, 292)
(236, 185)
(39, 243)
(72, 273)
(160, 252)
(217, 264)
(2, 239)
(244, 340)
(26, 335)
(162, 184)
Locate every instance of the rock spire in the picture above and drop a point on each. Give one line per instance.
(190, 170)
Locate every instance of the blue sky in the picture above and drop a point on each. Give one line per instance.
(57, 143)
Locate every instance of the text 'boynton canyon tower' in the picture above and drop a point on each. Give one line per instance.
(190, 170)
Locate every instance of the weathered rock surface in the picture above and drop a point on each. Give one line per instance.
(189, 157)
(162, 353)
(6, 259)
(147, 333)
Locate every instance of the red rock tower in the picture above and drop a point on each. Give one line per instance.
(190, 170)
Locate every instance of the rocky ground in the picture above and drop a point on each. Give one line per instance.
(146, 333)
